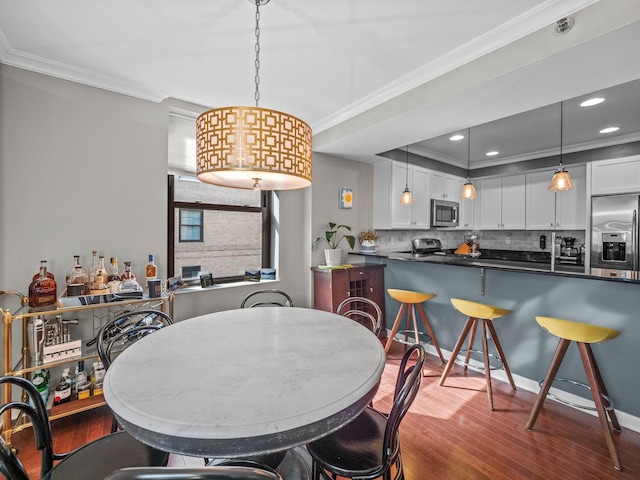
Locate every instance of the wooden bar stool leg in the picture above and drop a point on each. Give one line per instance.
(603, 389)
(425, 320)
(456, 350)
(590, 367)
(561, 349)
(472, 339)
(503, 357)
(394, 329)
(416, 332)
(487, 365)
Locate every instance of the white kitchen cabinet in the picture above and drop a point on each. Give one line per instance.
(443, 186)
(389, 180)
(620, 175)
(564, 210)
(502, 203)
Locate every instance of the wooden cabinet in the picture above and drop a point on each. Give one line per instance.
(330, 287)
(389, 181)
(556, 210)
(444, 186)
(620, 175)
(502, 203)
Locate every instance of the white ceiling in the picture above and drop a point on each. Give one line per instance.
(367, 75)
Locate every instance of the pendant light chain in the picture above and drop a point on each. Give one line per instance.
(257, 62)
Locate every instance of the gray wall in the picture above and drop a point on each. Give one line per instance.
(82, 168)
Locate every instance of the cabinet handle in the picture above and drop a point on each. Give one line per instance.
(551, 224)
(371, 289)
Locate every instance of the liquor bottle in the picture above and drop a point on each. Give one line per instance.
(129, 283)
(77, 280)
(113, 280)
(99, 285)
(151, 270)
(43, 290)
(76, 261)
(93, 267)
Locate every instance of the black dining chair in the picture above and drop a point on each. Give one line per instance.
(267, 298)
(93, 461)
(123, 331)
(368, 447)
(362, 310)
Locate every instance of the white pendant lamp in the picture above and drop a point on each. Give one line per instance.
(252, 147)
(561, 179)
(468, 190)
(407, 198)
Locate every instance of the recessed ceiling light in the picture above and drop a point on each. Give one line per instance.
(592, 101)
(456, 137)
(492, 153)
(609, 129)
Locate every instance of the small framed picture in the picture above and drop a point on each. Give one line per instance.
(346, 198)
(206, 280)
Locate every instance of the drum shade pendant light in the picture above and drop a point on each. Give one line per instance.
(468, 190)
(561, 179)
(407, 198)
(253, 147)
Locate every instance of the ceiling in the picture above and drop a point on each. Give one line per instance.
(368, 76)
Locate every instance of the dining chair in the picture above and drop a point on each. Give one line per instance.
(10, 466)
(267, 298)
(362, 310)
(123, 331)
(93, 461)
(368, 447)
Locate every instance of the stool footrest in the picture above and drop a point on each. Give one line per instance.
(479, 368)
(608, 403)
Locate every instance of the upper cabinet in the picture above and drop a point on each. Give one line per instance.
(443, 186)
(556, 210)
(389, 181)
(621, 175)
(467, 207)
(502, 202)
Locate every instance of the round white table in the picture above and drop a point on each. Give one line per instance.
(245, 382)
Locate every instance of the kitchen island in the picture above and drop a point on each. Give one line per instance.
(530, 290)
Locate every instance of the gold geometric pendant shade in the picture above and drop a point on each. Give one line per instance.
(241, 146)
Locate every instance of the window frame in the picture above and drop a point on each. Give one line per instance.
(265, 208)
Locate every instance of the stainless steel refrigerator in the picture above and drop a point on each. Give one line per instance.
(614, 235)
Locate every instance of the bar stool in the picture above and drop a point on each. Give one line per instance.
(414, 300)
(486, 314)
(584, 335)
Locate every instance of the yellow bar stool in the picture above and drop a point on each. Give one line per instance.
(413, 301)
(485, 314)
(584, 335)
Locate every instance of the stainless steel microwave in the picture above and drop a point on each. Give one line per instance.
(444, 213)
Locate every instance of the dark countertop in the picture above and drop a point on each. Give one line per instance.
(536, 263)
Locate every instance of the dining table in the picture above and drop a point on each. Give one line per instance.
(245, 382)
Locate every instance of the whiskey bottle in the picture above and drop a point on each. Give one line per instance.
(129, 283)
(113, 280)
(93, 267)
(151, 270)
(43, 290)
(77, 280)
(49, 274)
(99, 285)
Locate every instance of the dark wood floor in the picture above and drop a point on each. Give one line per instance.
(450, 433)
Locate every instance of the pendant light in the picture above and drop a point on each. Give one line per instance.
(468, 190)
(407, 198)
(561, 179)
(253, 147)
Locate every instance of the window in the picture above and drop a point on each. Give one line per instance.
(190, 225)
(217, 230)
(223, 231)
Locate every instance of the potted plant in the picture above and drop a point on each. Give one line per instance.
(334, 236)
(368, 241)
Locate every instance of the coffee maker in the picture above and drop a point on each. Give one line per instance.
(569, 252)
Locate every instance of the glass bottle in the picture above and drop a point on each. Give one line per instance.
(76, 261)
(49, 274)
(99, 285)
(151, 270)
(93, 267)
(43, 290)
(113, 280)
(129, 282)
(78, 280)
